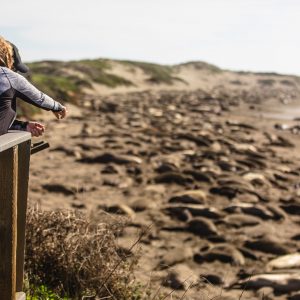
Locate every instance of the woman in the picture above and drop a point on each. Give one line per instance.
(13, 85)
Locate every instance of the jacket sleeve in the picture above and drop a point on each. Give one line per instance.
(29, 93)
(19, 125)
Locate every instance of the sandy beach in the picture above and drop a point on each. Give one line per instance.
(213, 175)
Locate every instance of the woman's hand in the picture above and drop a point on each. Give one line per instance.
(61, 114)
(35, 128)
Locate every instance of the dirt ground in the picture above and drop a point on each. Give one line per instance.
(213, 178)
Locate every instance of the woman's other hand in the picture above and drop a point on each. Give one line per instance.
(61, 114)
(35, 128)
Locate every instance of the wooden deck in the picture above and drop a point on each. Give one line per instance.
(14, 174)
(13, 138)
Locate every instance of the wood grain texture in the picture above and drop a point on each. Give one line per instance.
(23, 175)
(8, 222)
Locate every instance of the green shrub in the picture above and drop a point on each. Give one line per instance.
(158, 73)
(57, 87)
(95, 71)
(99, 64)
(42, 293)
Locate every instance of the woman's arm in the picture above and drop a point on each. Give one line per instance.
(29, 93)
(35, 128)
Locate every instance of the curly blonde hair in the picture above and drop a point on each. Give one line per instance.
(6, 54)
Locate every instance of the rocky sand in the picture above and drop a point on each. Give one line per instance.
(212, 177)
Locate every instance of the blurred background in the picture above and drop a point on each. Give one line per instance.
(247, 35)
(183, 121)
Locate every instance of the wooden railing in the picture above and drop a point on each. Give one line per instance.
(14, 174)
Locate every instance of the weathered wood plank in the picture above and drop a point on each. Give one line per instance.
(23, 173)
(8, 222)
(13, 138)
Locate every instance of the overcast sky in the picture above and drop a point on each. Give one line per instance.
(257, 35)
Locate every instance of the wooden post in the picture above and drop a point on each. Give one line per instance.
(8, 223)
(23, 174)
(13, 203)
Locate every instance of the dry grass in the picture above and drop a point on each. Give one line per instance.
(76, 258)
(73, 258)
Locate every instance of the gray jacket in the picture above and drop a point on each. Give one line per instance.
(14, 85)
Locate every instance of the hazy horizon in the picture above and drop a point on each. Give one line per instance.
(248, 35)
